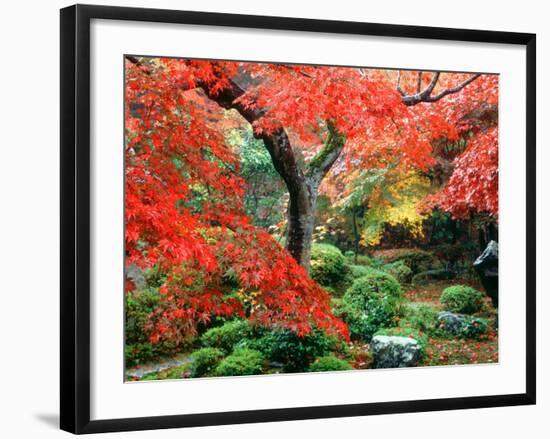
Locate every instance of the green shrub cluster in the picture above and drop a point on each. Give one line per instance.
(419, 316)
(399, 270)
(462, 299)
(327, 264)
(357, 271)
(474, 327)
(294, 352)
(242, 361)
(370, 303)
(329, 363)
(225, 337)
(205, 360)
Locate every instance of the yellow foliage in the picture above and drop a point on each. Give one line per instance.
(395, 205)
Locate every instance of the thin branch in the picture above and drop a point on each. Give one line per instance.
(419, 82)
(426, 94)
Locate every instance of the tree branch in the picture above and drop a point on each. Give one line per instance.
(426, 94)
(329, 153)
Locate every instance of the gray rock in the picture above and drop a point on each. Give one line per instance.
(392, 351)
(486, 266)
(451, 322)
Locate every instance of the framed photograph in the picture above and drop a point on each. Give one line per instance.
(268, 219)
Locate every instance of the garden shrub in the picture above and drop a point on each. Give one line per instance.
(399, 270)
(349, 254)
(462, 299)
(357, 271)
(474, 327)
(370, 303)
(327, 264)
(242, 361)
(416, 259)
(420, 316)
(294, 352)
(225, 337)
(205, 360)
(430, 275)
(415, 334)
(138, 349)
(374, 284)
(329, 363)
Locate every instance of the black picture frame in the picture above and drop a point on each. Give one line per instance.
(75, 218)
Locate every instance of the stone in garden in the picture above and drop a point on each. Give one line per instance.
(486, 266)
(393, 351)
(451, 322)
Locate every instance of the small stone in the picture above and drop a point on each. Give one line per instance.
(393, 351)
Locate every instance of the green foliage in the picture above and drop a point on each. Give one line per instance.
(349, 254)
(205, 360)
(174, 373)
(399, 270)
(294, 352)
(474, 327)
(415, 334)
(419, 316)
(375, 284)
(327, 264)
(329, 363)
(416, 259)
(369, 304)
(225, 337)
(462, 299)
(138, 349)
(430, 275)
(265, 189)
(357, 271)
(242, 361)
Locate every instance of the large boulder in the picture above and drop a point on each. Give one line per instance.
(393, 351)
(486, 266)
(451, 322)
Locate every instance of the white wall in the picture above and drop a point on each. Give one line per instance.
(29, 249)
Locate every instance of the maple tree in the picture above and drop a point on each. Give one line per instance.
(184, 192)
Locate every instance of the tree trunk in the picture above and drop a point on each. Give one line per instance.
(301, 220)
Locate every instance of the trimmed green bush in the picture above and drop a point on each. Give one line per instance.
(399, 270)
(328, 364)
(242, 361)
(419, 336)
(419, 316)
(294, 352)
(205, 361)
(370, 303)
(374, 284)
(327, 265)
(357, 271)
(474, 327)
(225, 337)
(462, 299)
